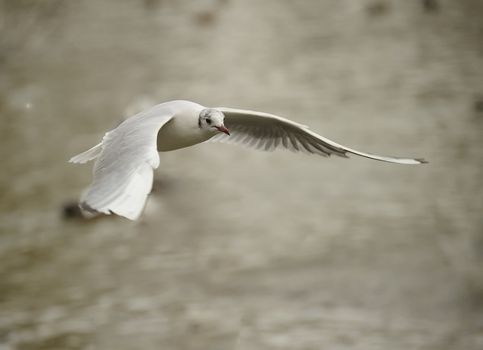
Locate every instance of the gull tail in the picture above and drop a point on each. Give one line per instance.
(88, 155)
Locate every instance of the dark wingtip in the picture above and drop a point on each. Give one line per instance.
(422, 160)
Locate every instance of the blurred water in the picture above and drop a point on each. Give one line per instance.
(246, 250)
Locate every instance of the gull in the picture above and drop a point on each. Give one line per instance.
(127, 155)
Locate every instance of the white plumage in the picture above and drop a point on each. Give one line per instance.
(127, 155)
(267, 132)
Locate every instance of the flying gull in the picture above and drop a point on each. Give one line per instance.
(128, 154)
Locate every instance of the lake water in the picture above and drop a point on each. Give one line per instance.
(240, 249)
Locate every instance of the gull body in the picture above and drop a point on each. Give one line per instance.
(128, 154)
(183, 131)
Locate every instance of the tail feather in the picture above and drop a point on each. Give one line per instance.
(88, 155)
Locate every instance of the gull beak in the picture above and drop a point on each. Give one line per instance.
(223, 129)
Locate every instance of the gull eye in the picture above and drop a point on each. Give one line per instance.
(208, 121)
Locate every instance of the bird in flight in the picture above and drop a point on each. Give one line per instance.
(128, 154)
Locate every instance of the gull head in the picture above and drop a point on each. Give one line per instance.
(212, 120)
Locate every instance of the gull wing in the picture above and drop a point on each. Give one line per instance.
(267, 132)
(126, 157)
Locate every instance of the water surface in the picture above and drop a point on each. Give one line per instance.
(239, 249)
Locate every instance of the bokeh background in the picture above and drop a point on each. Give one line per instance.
(240, 249)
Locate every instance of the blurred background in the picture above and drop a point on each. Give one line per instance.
(240, 249)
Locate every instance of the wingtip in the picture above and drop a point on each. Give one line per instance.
(411, 161)
(89, 210)
(421, 161)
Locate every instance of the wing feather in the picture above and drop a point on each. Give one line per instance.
(267, 132)
(123, 172)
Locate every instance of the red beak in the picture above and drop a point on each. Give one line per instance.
(223, 129)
